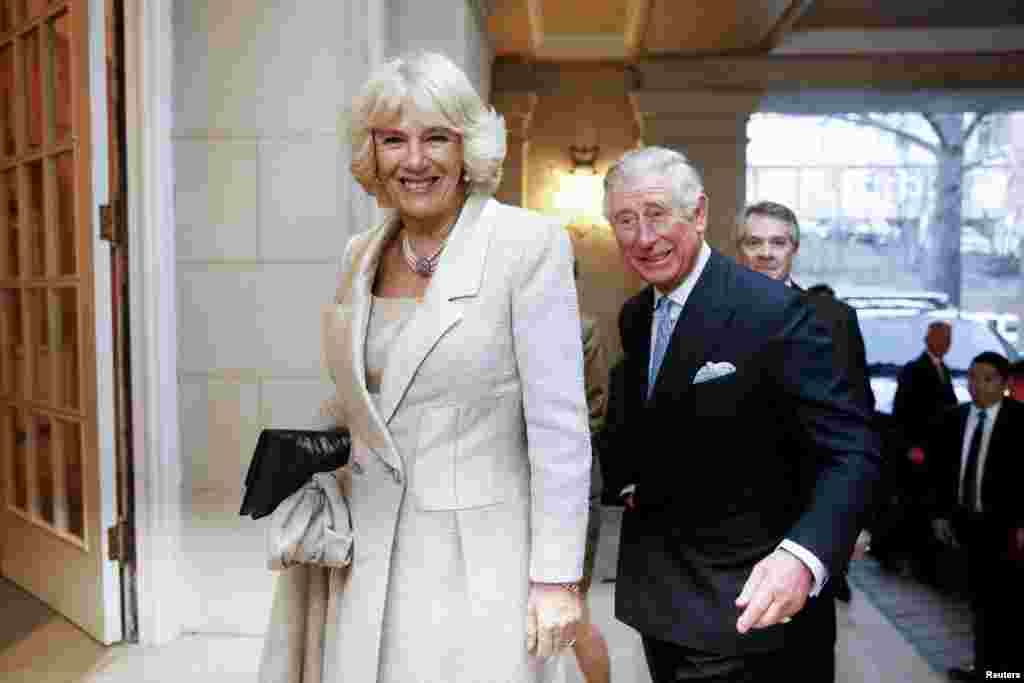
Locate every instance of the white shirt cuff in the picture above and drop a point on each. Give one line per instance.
(812, 562)
(627, 490)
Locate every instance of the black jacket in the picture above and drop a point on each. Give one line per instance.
(727, 468)
(921, 396)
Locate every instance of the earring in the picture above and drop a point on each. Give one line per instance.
(465, 177)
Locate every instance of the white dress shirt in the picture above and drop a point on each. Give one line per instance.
(680, 295)
(991, 413)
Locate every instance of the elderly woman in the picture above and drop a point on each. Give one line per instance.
(454, 344)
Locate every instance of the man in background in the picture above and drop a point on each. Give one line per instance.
(975, 460)
(924, 390)
(768, 242)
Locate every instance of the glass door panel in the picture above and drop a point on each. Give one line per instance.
(16, 445)
(65, 207)
(36, 220)
(33, 77)
(71, 448)
(65, 338)
(11, 365)
(11, 238)
(7, 119)
(45, 480)
(60, 67)
(35, 7)
(40, 356)
(6, 15)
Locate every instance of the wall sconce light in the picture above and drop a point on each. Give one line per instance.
(579, 192)
(584, 159)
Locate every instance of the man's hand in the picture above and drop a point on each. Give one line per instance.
(916, 455)
(552, 614)
(1019, 534)
(777, 589)
(862, 546)
(629, 501)
(943, 531)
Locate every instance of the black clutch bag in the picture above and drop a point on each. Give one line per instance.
(284, 460)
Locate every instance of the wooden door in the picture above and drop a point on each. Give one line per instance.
(57, 422)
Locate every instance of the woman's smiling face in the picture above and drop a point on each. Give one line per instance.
(420, 164)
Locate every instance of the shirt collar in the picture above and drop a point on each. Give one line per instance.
(990, 413)
(682, 292)
(936, 360)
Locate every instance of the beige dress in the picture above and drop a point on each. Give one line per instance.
(421, 556)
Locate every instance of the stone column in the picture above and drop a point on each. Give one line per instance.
(517, 108)
(710, 128)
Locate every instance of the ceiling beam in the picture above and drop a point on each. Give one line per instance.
(894, 72)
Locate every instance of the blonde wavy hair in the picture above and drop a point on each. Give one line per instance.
(435, 85)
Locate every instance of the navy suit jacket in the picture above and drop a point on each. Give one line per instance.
(727, 468)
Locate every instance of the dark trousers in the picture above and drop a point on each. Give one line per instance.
(669, 663)
(995, 586)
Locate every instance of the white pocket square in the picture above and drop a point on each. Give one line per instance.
(713, 371)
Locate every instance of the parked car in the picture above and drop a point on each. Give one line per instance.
(893, 301)
(878, 234)
(892, 341)
(973, 242)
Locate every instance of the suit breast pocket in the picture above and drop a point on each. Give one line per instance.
(719, 397)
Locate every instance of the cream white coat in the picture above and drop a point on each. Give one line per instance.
(482, 414)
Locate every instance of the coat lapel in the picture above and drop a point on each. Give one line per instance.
(362, 287)
(459, 274)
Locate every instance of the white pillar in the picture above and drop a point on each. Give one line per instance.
(517, 108)
(710, 128)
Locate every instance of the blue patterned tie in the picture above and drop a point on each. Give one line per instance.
(663, 316)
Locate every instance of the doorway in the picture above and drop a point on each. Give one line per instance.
(64, 530)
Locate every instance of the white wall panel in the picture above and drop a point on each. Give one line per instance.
(260, 67)
(263, 318)
(295, 403)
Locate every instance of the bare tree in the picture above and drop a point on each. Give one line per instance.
(948, 143)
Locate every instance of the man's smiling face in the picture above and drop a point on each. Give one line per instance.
(658, 241)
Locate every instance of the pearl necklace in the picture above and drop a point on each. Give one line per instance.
(424, 266)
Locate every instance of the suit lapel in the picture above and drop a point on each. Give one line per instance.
(700, 330)
(639, 324)
(459, 274)
(995, 444)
